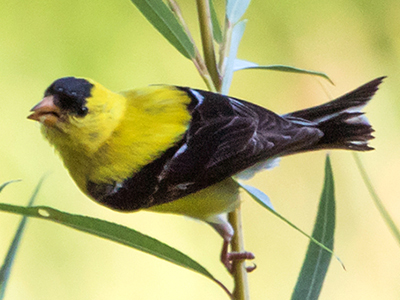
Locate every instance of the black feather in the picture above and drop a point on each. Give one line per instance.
(228, 135)
(70, 94)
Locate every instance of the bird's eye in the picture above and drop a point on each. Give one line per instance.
(83, 111)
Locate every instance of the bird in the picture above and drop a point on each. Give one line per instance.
(179, 150)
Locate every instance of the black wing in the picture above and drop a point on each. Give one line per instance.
(228, 135)
(225, 136)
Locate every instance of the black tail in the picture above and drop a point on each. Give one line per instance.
(341, 120)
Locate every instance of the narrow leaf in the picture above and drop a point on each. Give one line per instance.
(261, 196)
(262, 202)
(247, 65)
(316, 263)
(241, 64)
(235, 9)
(377, 201)
(217, 33)
(113, 232)
(7, 183)
(237, 34)
(162, 18)
(8, 261)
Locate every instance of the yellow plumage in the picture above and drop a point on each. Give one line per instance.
(124, 132)
(118, 137)
(208, 204)
(174, 149)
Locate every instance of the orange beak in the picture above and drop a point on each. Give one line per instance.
(46, 112)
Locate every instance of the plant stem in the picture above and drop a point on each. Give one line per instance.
(197, 60)
(239, 274)
(241, 289)
(225, 47)
(203, 8)
(378, 202)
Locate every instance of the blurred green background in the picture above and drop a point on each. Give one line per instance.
(352, 41)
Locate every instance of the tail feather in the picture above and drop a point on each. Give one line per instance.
(341, 120)
(346, 131)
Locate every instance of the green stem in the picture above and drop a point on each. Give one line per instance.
(239, 274)
(378, 202)
(241, 289)
(203, 8)
(197, 60)
(205, 75)
(225, 46)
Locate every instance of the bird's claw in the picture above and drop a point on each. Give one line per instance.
(228, 257)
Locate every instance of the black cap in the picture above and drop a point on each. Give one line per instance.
(70, 94)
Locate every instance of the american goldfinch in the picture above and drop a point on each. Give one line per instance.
(175, 149)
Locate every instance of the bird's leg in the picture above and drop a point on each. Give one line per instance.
(227, 257)
(224, 228)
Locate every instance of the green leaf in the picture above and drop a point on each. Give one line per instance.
(246, 65)
(8, 261)
(261, 196)
(113, 232)
(237, 34)
(316, 263)
(241, 64)
(377, 201)
(263, 202)
(217, 33)
(7, 183)
(235, 9)
(163, 19)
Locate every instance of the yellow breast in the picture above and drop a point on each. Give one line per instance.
(122, 133)
(155, 119)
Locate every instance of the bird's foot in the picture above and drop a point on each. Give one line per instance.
(227, 258)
